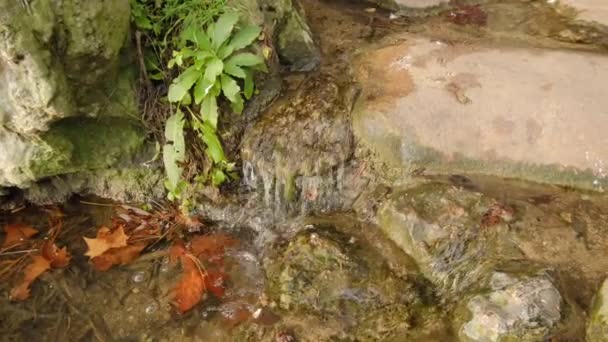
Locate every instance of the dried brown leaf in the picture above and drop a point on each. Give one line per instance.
(105, 240)
(17, 233)
(118, 256)
(37, 266)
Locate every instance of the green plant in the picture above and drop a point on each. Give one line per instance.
(211, 60)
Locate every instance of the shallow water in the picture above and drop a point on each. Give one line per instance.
(559, 228)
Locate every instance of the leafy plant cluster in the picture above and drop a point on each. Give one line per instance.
(210, 53)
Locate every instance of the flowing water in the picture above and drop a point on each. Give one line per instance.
(316, 257)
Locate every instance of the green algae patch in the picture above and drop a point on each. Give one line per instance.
(79, 144)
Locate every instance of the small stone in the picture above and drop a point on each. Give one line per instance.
(285, 336)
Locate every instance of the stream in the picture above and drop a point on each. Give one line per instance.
(327, 243)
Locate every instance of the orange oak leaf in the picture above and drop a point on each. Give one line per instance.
(105, 240)
(211, 245)
(38, 266)
(118, 256)
(16, 233)
(190, 289)
(56, 256)
(215, 283)
(176, 251)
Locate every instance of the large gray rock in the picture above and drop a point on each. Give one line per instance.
(293, 38)
(597, 328)
(409, 4)
(524, 309)
(523, 113)
(61, 65)
(322, 272)
(590, 10)
(461, 241)
(299, 147)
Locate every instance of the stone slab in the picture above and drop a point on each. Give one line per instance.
(539, 115)
(590, 10)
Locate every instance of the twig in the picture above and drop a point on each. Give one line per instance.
(142, 63)
(19, 252)
(98, 204)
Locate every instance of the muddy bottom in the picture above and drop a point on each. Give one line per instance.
(329, 271)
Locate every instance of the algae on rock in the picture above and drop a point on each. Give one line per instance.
(323, 273)
(67, 100)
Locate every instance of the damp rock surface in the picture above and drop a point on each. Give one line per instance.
(524, 309)
(323, 273)
(298, 149)
(497, 111)
(597, 328)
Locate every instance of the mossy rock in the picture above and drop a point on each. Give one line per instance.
(323, 276)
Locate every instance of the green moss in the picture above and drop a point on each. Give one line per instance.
(79, 144)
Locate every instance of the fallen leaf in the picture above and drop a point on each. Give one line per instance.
(211, 245)
(118, 256)
(105, 240)
(215, 282)
(57, 257)
(189, 290)
(38, 266)
(16, 233)
(176, 251)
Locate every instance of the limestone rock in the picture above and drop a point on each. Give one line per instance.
(440, 226)
(524, 309)
(597, 328)
(304, 137)
(294, 39)
(321, 272)
(531, 114)
(62, 64)
(409, 4)
(590, 10)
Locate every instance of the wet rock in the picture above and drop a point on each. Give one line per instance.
(321, 273)
(440, 226)
(460, 109)
(298, 149)
(589, 10)
(396, 5)
(498, 293)
(597, 328)
(60, 65)
(294, 39)
(522, 309)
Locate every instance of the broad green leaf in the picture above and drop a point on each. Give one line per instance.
(197, 36)
(214, 69)
(172, 168)
(174, 133)
(222, 28)
(218, 177)
(214, 147)
(182, 84)
(245, 37)
(203, 55)
(174, 152)
(229, 87)
(157, 76)
(209, 111)
(225, 51)
(245, 59)
(187, 99)
(238, 105)
(201, 89)
(249, 84)
(234, 70)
